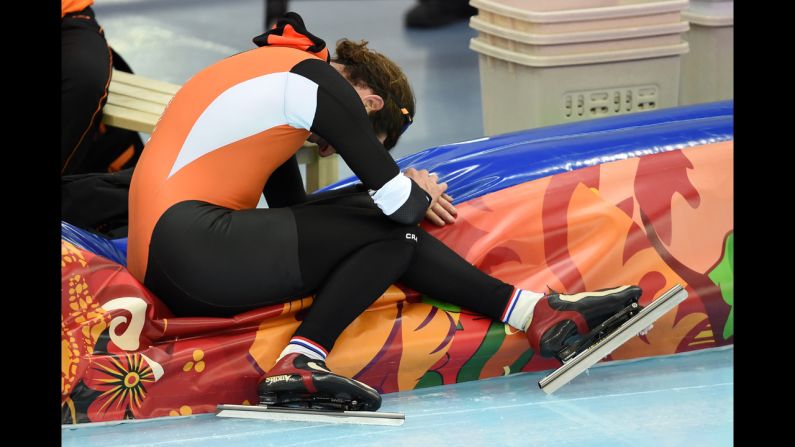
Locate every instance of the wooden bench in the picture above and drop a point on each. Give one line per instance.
(136, 103)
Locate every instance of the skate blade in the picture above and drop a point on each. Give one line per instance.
(310, 415)
(611, 342)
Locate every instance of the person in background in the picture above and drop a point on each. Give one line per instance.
(87, 62)
(86, 65)
(437, 13)
(425, 14)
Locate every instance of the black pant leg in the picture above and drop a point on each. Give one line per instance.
(441, 273)
(436, 270)
(85, 76)
(348, 281)
(353, 286)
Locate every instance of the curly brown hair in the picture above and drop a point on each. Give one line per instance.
(367, 68)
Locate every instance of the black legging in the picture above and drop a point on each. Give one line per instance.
(206, 260)
(85, 76)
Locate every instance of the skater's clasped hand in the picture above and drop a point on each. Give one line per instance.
(441, 210)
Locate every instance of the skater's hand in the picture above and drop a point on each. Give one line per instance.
(428, 182)
(443, 212)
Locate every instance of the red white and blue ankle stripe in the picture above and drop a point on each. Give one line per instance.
(309, 344)
(506, 314)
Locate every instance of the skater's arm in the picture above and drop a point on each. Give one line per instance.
(442, 211)
(285, 186)
(326, 196)
(340, 119)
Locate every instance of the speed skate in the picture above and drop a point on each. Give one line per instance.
(584, 352)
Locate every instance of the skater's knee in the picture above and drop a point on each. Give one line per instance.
(398, 246)
(407, 234)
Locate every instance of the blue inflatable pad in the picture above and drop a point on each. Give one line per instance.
(121, 246)
(474, 168)
(94, 243)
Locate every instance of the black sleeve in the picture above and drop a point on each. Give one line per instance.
(285, 186)
(341, 120)
(334, 195)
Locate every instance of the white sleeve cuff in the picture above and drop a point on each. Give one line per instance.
(393, 194)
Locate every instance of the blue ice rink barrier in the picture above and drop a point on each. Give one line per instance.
(478, 167)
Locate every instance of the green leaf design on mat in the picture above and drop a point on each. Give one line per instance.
(491, 343)
(723, 276)
(430, 378)
(440, 304)
(520, 363)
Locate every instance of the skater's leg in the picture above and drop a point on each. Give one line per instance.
(348, 257)
(441, 273)
(429, 267)
(434, 269)
(549, 320)
(347, 292)
(438, 271)
(353, 286)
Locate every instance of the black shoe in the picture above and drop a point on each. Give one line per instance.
(559, 318)
(436, 13)
(299, 381)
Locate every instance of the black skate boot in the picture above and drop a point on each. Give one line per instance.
(297, 381)
(564, 325)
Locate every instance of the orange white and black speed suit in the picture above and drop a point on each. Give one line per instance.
(230, 134)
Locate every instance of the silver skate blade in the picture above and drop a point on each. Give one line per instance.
(308, 415)
(604, 347)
